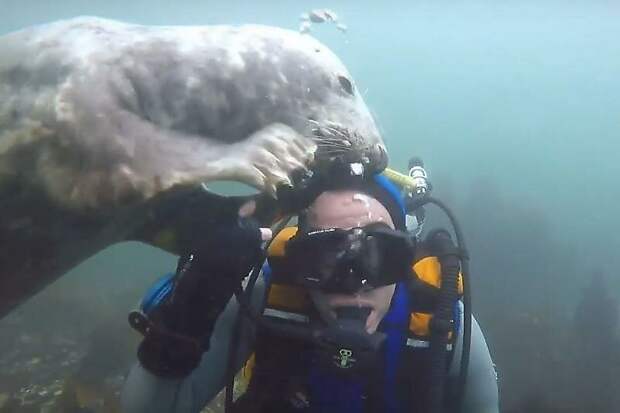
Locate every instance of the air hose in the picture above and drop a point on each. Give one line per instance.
(450, 256)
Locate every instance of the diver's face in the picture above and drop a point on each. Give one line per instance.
(349, 209)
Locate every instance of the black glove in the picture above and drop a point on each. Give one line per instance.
(205, 281)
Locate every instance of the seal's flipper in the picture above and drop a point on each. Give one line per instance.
(175, 221)
(267, 157)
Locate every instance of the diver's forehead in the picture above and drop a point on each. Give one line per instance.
(346, 209)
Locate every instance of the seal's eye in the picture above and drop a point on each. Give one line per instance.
(346, 85)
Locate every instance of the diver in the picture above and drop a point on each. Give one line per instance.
(342, 317)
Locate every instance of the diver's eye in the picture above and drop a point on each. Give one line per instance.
(346, 85)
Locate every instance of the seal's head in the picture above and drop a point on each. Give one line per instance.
(139, 110)
(322, 100)
(228, 82)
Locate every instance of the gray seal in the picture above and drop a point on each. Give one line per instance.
(108, 128)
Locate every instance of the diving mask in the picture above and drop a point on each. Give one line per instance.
(348, 261)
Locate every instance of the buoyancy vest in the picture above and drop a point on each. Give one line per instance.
(286, 372)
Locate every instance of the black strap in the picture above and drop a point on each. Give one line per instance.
(167, 354)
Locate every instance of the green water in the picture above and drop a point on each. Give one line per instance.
(515, 108)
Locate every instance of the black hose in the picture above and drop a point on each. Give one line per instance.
(440, 369)
(441, 324)
(236, 334)
(243, 298)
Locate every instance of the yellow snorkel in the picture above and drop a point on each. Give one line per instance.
(405, 182)
(415, 182)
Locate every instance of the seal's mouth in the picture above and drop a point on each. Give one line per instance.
(336, 142)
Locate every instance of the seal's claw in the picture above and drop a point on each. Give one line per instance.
(273, 153)
(271, 190)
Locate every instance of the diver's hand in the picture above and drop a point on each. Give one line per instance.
(205, 281)
(231, 249)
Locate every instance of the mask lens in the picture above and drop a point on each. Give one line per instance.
(317, 256)
(347, 261)
(390, 255)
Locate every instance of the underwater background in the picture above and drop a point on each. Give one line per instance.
(514, 107)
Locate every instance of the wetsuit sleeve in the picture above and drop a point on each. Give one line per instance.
(481, 392)
(146, 392)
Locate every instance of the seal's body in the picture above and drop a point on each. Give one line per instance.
(102, 123)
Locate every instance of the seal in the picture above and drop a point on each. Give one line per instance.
(108, 128)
